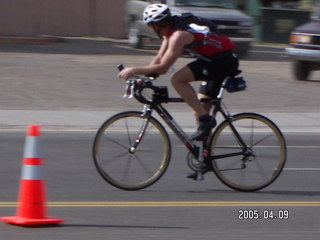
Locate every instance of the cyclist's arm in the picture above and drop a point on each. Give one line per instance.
(174, 49)
(161, 52)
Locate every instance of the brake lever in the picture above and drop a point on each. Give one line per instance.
(125, 95)
(131, 90)
(128, 90)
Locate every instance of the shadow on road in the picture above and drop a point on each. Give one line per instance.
(118, 226)
(266, 192)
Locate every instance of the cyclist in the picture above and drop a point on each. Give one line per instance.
(215, 60)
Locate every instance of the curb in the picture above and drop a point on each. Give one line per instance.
(70, 120)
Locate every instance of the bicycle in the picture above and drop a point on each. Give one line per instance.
(132, 149)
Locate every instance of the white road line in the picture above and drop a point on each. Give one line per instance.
(273, 52)
(302, 169)
(292, 147)
(304, 147)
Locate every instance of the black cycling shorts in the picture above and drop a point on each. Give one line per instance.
(214, 72)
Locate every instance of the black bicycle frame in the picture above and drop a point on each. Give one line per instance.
(156, 104)
(185, 139)
(166, 116)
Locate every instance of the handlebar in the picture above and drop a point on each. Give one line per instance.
(120, 67)
(148, 78)
(136, 85)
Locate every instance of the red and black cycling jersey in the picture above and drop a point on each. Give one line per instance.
(210, 44)
(206, 42)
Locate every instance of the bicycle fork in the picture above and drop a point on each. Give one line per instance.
(146, 114)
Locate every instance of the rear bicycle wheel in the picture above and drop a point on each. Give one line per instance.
(131, 152)
(255, 165)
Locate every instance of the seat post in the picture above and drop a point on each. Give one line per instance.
(223, 85)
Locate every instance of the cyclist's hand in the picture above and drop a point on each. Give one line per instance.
(140, 81)
(126, 73)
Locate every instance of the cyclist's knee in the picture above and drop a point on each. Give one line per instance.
(184, 75)
(176, 79)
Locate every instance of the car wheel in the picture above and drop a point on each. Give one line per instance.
(301, 70)
(135, 39)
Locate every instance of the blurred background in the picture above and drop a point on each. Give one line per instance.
(272, 20)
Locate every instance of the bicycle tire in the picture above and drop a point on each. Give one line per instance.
(267, 147)
(118, 164)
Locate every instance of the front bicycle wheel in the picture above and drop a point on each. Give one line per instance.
(131, 151)
(248, 154)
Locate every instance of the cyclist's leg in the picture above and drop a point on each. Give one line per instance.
(214, 74)
(181, 82)
(206, 105)
(220, 68)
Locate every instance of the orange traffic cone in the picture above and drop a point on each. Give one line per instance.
(31, 210)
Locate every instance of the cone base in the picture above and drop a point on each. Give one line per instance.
(31, 222)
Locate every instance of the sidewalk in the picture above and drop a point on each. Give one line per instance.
(76, 75)
(92, 120)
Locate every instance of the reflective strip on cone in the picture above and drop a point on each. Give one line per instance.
(32, 169)
(32, 148)
(32, 172)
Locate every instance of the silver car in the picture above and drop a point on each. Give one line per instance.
(230, 21)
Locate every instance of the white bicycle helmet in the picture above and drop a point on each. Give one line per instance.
(156, 13)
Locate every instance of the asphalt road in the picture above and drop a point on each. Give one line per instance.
(72, 86)
(174, 207)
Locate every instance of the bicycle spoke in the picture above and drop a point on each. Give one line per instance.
(125, 175)
(131, 152)
(114, 159)
(259, 165)
(263, 139)
(262, 171)
(115, 142)
(231, 168)
(143, 166)
(127, 127)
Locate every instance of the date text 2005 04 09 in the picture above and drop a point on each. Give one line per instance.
(255, 214)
